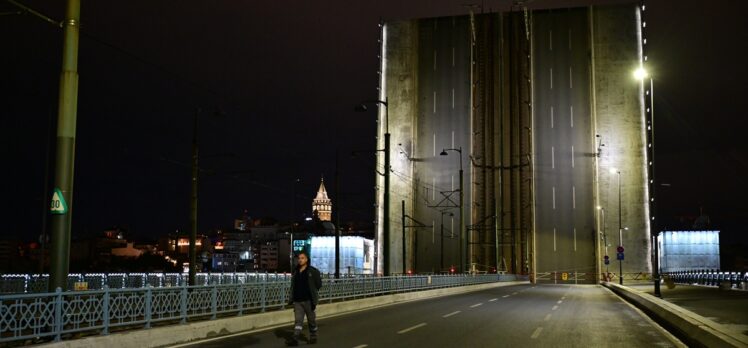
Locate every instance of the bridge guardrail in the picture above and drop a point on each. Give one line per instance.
(52, 316)
(736, 280)
(36, 283)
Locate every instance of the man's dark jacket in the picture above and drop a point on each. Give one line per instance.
(315, 283)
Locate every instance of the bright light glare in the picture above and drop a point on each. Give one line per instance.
(613, 170)
(640, 73)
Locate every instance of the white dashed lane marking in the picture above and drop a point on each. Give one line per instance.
(411, 328)
(450, 314)
(476, 305)
(536, 333)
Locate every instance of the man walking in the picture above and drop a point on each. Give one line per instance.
(305, 284)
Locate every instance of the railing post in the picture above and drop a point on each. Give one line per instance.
(148, 301)
(213, 302)
(58, 314)
(262, 295)
(240, 300)
(183, 304)
(105, 310)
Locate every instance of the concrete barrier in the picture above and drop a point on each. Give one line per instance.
(693, 329)
(175, 334)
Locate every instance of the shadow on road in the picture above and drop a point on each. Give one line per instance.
(287, 336)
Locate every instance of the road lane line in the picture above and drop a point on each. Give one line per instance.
(573, 197)
(505, 296)
(554, 237)
(514, 293)
(551, 117)
(434, 101)
(450, 314)
(575, 240)
(554, 308)
(476, 305)
(550, 40)
(551, 78)
(571, 118)
(411, 328)
(559, 302)
(536, 333)
(547, 317)
(554, 197)
(493, 299)
(361, 346)
(570, 84)
(572, 156)
(563, 298)
(553, 157)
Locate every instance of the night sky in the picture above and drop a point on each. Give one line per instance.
(277, 82)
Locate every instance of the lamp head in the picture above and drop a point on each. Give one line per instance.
(443, 153)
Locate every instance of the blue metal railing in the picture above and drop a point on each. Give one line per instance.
(52, 316)
(28, 283)
(737, 280)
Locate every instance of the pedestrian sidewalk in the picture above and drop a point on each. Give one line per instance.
(726, 307)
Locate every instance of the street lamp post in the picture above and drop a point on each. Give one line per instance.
(462, 196)
(641, 74)
(64, 167)
(386, 204)
(441, 245)
(620, 226)
(605, 237)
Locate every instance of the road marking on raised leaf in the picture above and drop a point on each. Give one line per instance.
(411, 328)
(536, 333)
(450, 314)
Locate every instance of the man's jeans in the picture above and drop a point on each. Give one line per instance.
(299, 309)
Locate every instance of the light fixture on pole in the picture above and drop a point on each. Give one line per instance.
(386, 204)
(642, 75)
(620, 228)
(441, 252)
(461, 235)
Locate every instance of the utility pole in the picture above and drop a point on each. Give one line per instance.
(193, 202)
(65, 153)
(386, 194)
(337, 217)
(620, 231)
(386, 198)
(403, 223)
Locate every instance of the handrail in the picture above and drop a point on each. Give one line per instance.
(57, 315)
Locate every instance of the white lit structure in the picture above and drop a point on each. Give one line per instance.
(356, 255)
(688, 250)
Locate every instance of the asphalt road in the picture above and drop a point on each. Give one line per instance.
(515, 316)
(443, 122)
(564, 145)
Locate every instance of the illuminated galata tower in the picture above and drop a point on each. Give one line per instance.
(322, 205)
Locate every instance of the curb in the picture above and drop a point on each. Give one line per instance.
(192, 332)
(693, 329)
